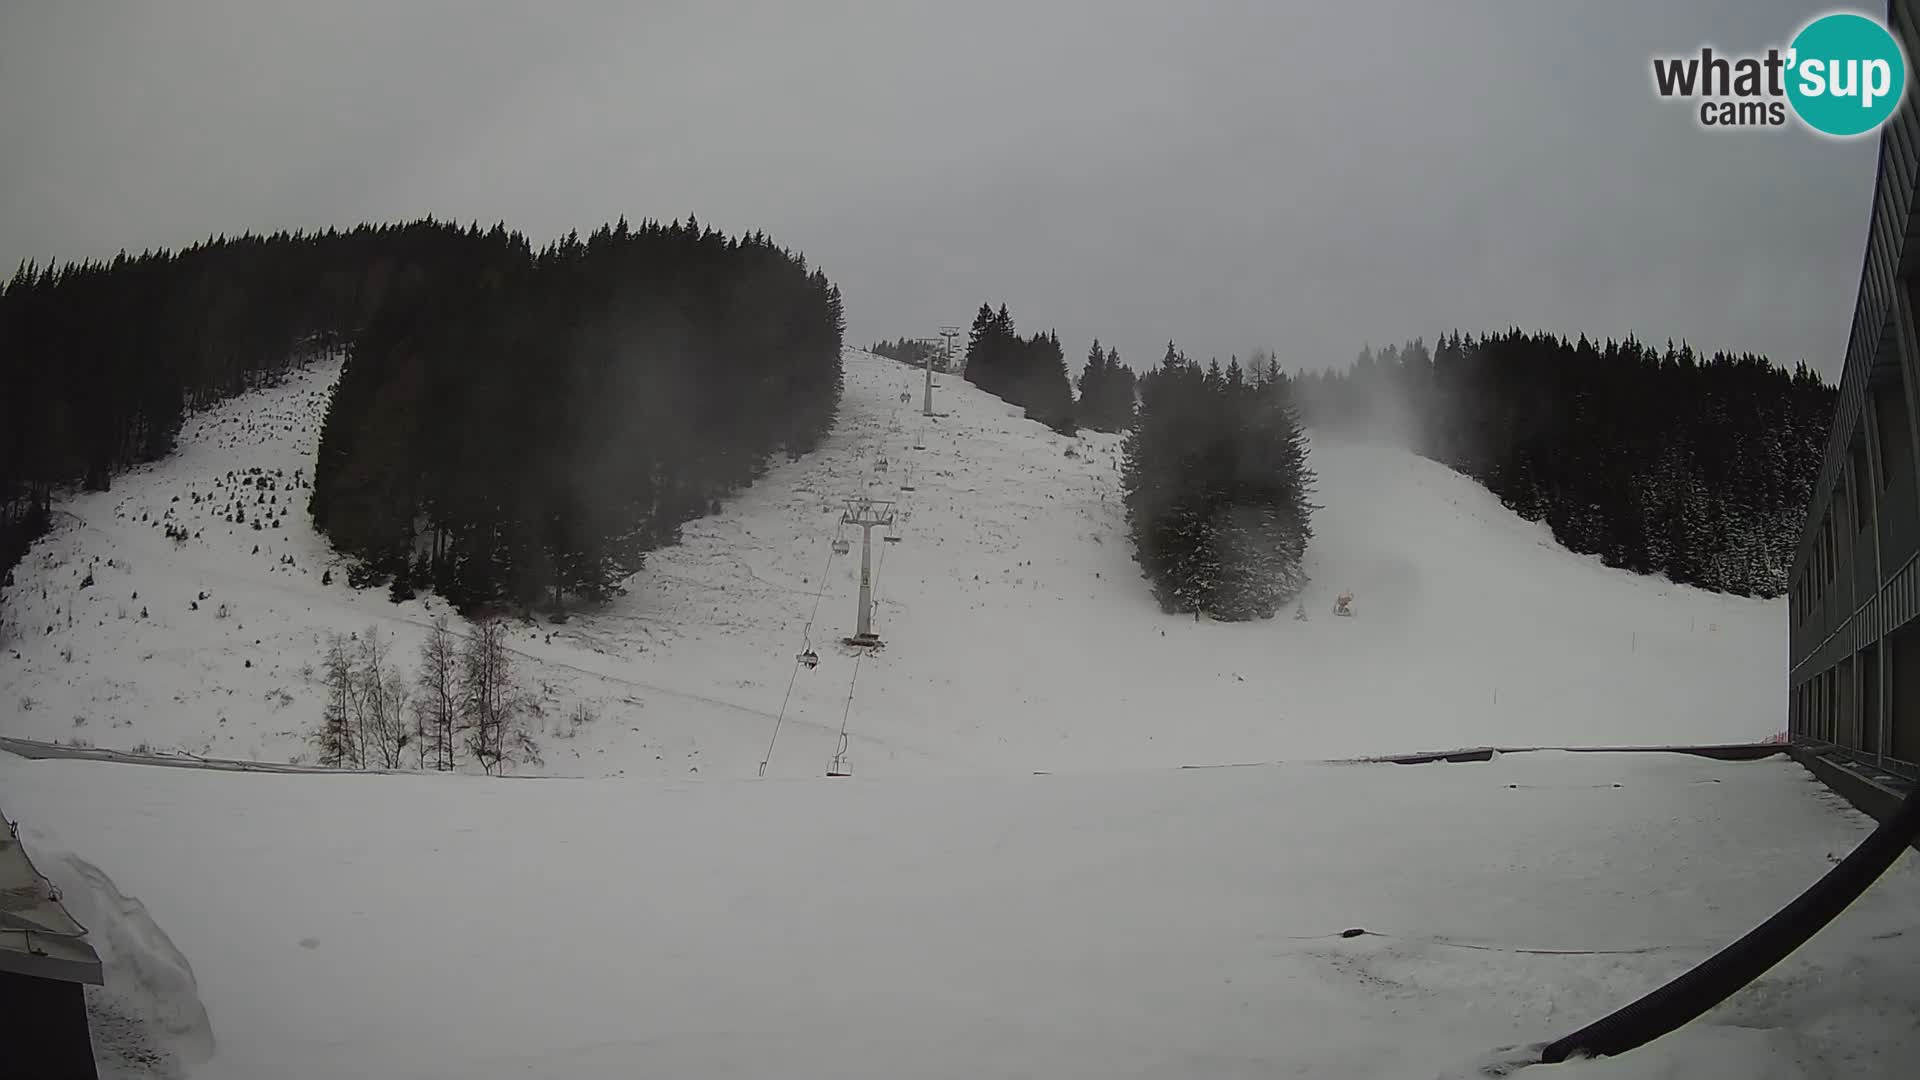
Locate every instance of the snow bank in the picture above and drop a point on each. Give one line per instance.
(147, 1019)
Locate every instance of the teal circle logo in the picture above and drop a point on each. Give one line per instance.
(1846, 74)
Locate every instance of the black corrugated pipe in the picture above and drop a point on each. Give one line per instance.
(1720, 975)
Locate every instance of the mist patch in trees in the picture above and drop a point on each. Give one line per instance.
(1657, 461)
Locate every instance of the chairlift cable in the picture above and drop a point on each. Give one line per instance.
(806, 646)
(839, 765)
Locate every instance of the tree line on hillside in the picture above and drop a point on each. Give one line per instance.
(1030, 372)
(524, 432)
(102, 360)
(1216, 486)
(914, 352)
(1658, 461)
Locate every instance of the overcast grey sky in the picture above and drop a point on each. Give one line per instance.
(1304, 177)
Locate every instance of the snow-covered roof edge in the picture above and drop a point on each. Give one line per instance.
(38, 937)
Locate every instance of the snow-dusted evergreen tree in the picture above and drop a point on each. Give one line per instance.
(1217, 490)
(1189, 547)
(1252, 571)
(1279, 420)
(1264, 517)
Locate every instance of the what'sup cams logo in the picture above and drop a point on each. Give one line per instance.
(1842, 75)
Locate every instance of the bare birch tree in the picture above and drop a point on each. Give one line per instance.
(494, 709)
(338, 739)
(440, 685)
(383, 693)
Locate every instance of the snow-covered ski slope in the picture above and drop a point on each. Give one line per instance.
(1018, 633)
(1153, 924)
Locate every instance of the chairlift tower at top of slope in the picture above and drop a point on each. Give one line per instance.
(926, 363)
(947, 335)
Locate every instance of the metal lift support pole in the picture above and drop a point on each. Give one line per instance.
(926, 407)
(866, 513)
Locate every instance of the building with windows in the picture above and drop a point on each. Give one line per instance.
(1854, 590)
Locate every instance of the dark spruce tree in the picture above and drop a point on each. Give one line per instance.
(1090, 375)
(1042, 386)
(1106, 391)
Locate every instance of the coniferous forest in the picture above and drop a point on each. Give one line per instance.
(103, 360)
(1658, 461)
(1216, 486)
(1030, 372)
(525, 434)
(488, 388)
